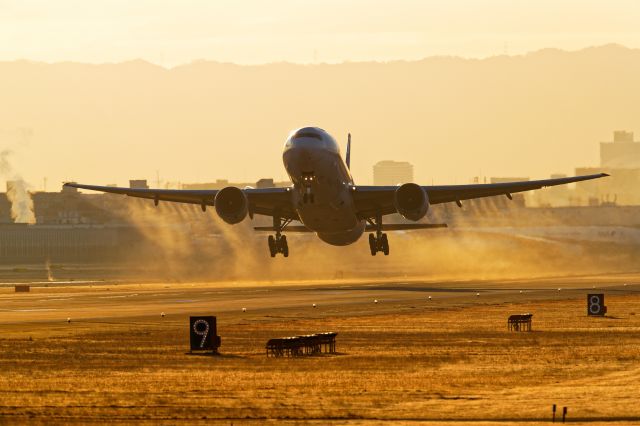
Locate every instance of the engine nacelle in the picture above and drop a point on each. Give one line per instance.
(231, 205)
(411, 201)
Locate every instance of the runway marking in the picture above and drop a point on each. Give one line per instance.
(55, 299)
(65, 282)
(117, 296)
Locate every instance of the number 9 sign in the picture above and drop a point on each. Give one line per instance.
(202, 333)
(595, 305)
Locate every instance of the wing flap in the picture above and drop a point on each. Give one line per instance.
(406, 226)
(294, 228)
(369, 228)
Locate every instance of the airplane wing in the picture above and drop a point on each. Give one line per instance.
(372, 199)
(265, 201)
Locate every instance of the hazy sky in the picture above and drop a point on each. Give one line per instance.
(258, 31)
(170, 33)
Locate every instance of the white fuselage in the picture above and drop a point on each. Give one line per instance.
(322, 186)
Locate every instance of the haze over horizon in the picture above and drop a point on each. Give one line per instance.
(453, 118)
(252, 31)
(196, 61)
(104, 91)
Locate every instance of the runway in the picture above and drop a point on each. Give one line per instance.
(103, 300)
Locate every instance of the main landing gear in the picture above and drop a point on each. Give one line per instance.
(278, 242)
(379, 241)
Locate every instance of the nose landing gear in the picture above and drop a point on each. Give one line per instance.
(379, 241)
(308, 179)
(307, 197)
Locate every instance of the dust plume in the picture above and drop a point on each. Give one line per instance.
(17, 191)
(184, 244)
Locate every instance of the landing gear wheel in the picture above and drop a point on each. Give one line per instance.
(378, 241)
(385, 245)
(278, 242)
(372, 244)
(284, 247)
(272, 246)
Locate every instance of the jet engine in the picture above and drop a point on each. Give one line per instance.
(231, 205)
(411, 201)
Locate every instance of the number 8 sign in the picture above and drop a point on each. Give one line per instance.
(202, 333)
(595, 305)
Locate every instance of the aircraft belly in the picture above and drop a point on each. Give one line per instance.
(326, 218)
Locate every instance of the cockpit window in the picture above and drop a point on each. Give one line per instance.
(308, 135)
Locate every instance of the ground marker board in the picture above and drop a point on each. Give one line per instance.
(203, 333)
(595, 305)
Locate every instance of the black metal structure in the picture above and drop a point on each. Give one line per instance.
(311, 344)
(519, 322)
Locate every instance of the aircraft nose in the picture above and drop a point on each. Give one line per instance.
(302, 154)
(306, 144)
(299, 155)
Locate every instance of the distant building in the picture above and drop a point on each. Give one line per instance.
(69, 189)
(265, 183)
(5, 209)
(389, 172)
(555, 196)
(138, 184)
(509, 179)
(621, 160)
(222, 183)
(218, 184)
(622, 153)
(69, 207)
(621, 187)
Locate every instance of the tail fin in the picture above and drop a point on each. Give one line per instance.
(349, 152)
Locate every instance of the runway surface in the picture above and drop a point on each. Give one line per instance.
(57, 301)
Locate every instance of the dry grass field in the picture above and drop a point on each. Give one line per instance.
(404, 360)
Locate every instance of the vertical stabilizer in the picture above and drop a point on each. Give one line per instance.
(348, 159)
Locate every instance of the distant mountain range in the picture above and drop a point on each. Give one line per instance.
(453, 118)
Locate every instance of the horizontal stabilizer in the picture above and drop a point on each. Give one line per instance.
(287, 229)
(369, 228)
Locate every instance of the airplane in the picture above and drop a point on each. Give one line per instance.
(325, 199)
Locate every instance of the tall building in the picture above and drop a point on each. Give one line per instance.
(390, 172)
(622, 153)
(621, 160)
